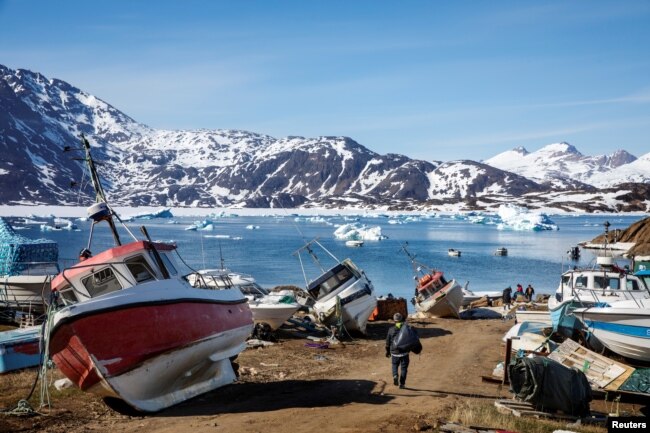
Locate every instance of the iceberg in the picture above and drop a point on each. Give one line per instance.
(357, 232)
(252, 227)
(161, 213)
(521, 219)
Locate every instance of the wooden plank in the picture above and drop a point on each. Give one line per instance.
(601, 371)
(616, 383)
(506, 363)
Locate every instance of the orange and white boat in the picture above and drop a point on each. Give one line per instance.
(434, 295)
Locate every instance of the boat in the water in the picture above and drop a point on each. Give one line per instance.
(623, 327)
(128, 327)
(434, 295)
(354, 243)
(27, 267)
(453, 252)
(342, 296)
(268, 307)
(502, 251)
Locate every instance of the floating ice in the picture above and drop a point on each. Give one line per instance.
(521, 219)
(201, 225)
(252, 227)
(357, 232)
(161, 213)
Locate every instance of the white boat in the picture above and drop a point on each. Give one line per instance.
(128, 327)
(272, 308)
(623, 327)
(26, 270)
(501, 251)
(529, 336)
(342, 295)
(353, 243)
(453, 253)
(434, 295)
(533, 316)
(470, 296)
(603, 285)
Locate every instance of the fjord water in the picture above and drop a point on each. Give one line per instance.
(536, 258)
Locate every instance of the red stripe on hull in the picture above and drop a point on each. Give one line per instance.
(122, 339)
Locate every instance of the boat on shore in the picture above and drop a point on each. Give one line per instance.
(434, 295)
(605, 284)
(271, 308)
(342, 296)
(128, 327)
(27, 267)
(623, 327)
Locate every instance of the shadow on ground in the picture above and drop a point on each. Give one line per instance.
(271, 396)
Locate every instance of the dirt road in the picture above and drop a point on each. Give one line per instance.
(292, 387)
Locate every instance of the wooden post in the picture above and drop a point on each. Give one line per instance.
(506, 380)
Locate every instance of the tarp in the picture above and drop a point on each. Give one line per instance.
(639, 381)
(549, 385)
(407, 340)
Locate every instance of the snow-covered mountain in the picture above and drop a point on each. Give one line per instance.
(144, 166)
(563, 166)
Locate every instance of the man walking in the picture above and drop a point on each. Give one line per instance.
(399, 359)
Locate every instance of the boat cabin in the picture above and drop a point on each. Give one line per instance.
(429, 284)
(593, 285)
(225, 279)
(115, 269)
(343, 274)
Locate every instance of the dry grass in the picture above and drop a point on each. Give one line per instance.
(471, 413)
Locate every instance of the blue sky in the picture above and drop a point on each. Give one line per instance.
(429, 79)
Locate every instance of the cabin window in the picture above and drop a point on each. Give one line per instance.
(68, 296)
(101, 282)
(168, 264)
(334, 282)
(139, 268)
(631, 285)
(613, 283)
(581, 281)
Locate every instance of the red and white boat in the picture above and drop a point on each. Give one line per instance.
(130, 328)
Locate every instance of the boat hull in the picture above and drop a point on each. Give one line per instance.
(20, 348)
(357, 303)
(273, 315)
(623, 331)
(444, 303)
(533, 316)
(151, 352)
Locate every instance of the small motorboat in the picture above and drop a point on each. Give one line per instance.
(20, 348)
(623, 327)
(453, 253)
(434, 295)
(342, 295)
(353, 243)
(501, 251)
(272, 308)
(128, 327)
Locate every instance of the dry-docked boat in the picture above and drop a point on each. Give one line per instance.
(129, 328)
(434, 295)
(623, 326)
(580, 288)
(27, 267)
(272, 308)
(342, 295)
